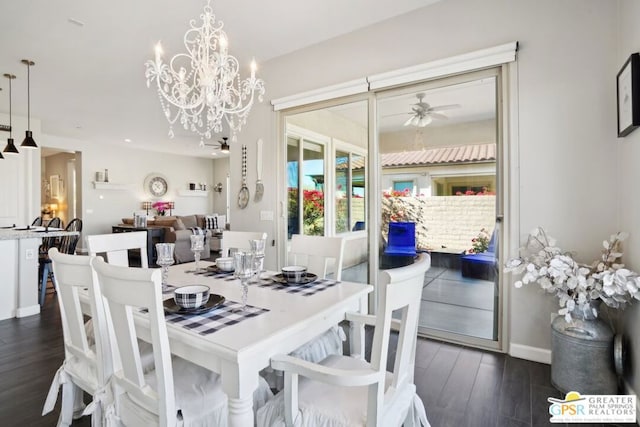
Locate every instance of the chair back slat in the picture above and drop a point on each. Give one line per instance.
(399, 289)
(55, 223)
(238, 240)
(37, 222)
(127, 290)
(117, 245)
(321, 255)
(73, 274)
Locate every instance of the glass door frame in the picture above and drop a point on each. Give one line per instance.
(506, 205)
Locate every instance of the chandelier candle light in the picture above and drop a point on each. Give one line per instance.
(202, 86)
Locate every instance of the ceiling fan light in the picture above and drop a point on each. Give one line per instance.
(224, 148)
(29, 142)
(10, 148)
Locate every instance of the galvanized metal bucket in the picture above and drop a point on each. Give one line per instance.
(582, 357)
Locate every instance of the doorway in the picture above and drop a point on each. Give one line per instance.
(61, 183)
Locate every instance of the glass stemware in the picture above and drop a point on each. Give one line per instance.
(197, 246)
(257, 247)
(165, 259)
(243, 263)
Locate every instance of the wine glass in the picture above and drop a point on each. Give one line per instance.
(165, 259)
(257, 247)
(197, 246)
(243, 263)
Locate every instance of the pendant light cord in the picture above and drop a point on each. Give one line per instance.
(28, 96)
(10, 124)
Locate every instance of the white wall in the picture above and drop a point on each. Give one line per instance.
(628, 176)
(220, 172)
(104, 208)
(566, 117)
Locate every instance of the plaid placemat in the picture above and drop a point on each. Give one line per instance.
(216, 319)
(306, 289)
(216, 274)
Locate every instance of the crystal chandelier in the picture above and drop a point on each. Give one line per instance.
(202, 87)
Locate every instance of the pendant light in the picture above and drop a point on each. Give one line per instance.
(11, 147)
(28, 139)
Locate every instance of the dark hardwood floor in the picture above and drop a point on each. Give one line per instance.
(459, 386)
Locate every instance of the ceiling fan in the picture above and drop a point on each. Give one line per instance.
(422, 113)
(223, 146)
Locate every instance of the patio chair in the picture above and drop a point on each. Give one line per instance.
(344, 390)
(401, 240)
(481, 265)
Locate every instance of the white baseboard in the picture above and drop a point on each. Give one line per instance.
(28, 311)
(534, 354)
(629, 391)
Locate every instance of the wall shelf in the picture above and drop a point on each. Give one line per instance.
(110, 186)
(193, 193)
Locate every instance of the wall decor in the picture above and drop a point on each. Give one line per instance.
(628, 95)
(156, 185)
(54, 183)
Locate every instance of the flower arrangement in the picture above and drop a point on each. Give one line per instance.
(576, 285)
(480, 243)
(160, 207)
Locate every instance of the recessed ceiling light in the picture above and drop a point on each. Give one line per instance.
(213, 153)
(127, 140)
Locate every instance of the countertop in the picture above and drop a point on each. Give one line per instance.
(11, 234)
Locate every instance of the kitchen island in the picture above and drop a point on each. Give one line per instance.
(19, 270)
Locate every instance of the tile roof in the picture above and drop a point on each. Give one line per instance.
(441, 155)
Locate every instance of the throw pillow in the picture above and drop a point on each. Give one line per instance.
(189, 221)
(179, 225)
(211, 222)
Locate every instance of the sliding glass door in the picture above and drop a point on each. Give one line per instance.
(439, 158)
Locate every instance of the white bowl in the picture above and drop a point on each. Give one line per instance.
(294, 273)
(192, 296)
(225, 263)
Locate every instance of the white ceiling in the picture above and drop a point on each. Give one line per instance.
(88, 82)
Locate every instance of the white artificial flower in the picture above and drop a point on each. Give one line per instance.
(576, 285)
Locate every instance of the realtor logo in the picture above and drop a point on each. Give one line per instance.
(576, 408)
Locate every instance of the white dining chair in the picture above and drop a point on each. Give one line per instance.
(238, 240)
(322, 256)
(177, 392)
(117, 245)
(343, 390)
(87, 363)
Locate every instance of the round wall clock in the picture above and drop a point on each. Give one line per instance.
(156, 185)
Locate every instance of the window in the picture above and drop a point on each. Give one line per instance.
(403, 186)
(350, 191)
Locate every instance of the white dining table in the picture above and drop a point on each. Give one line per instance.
(238, 352)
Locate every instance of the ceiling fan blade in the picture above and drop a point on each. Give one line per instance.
(438, 116)
(408, 122)
(444, 107)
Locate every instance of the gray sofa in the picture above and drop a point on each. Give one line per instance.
(177, 230)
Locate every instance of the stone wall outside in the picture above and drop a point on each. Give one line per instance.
(442, 222)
